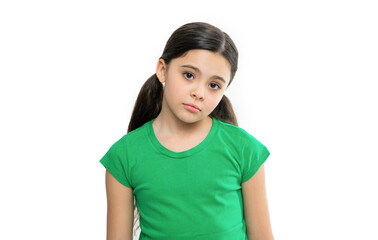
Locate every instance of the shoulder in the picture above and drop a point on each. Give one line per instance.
(238, 135)
(235, 131)
(135, 137)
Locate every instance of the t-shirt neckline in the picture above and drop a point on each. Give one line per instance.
(161, 149)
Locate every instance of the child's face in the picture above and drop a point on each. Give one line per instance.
(185, 85)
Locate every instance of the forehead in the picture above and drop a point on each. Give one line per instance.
(209, 63)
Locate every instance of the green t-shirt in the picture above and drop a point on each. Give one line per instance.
(194, 194)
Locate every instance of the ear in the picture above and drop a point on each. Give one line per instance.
(161, 70)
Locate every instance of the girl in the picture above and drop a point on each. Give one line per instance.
(184, 162)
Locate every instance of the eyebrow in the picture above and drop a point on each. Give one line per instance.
(197, 70)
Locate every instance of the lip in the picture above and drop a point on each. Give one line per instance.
(192, 105)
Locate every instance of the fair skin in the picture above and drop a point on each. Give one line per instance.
(176, 127)
(120, 212)
(179, 129)
(255, 204)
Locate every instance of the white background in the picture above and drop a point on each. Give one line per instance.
(306, 88)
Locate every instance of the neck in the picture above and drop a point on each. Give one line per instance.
(172, 126)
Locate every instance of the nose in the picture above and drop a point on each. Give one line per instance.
(198, 92)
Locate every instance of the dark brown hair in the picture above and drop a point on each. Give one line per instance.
(195, 35)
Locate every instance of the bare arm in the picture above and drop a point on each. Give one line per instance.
(120, 214)
(256, 213)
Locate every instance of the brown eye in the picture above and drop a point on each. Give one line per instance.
(188, 74)
(214, 85)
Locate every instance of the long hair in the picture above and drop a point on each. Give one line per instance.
(195, 35)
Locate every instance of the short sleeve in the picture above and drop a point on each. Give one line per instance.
(254, 154)
(115, 161)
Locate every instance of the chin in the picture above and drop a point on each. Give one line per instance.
(192, 118)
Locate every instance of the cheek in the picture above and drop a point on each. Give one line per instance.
(174, 91)
(213, 102)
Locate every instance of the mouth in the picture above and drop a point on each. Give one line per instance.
(192, 107)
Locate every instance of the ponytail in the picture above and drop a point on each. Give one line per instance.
(225, 112)
(148, 103)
